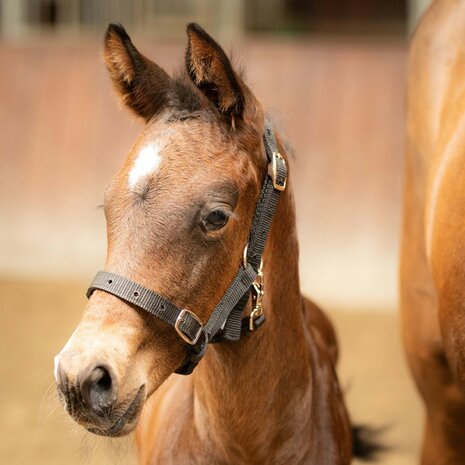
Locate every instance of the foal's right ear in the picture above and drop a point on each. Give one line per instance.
(142, 85)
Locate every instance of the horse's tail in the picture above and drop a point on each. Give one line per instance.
(366, 445)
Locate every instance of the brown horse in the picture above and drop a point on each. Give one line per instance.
(179, 214)
(433, 252)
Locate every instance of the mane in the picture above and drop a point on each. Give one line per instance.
(188, 102)
(278, 127)
(186, 97)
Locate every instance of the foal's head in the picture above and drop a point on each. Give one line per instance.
(178, 217)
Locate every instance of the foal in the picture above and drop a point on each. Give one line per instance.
(179, 214)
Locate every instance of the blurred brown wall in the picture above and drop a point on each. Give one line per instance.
(339, 103)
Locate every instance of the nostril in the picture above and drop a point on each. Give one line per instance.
(98, 390)
(101, 379)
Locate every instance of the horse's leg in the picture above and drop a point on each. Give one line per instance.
(444, 433)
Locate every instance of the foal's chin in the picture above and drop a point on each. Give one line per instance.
(123, 423)
(117, 421)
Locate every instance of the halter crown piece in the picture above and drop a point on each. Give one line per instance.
(226, 322)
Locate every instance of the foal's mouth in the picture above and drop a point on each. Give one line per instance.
(128, 416)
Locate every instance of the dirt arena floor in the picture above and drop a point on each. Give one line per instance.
(35, 430)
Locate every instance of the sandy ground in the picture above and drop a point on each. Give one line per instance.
(37, 317)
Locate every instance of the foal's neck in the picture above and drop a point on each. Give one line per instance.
(246, 392)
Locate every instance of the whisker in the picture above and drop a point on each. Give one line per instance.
(52, 411)
(45, 398)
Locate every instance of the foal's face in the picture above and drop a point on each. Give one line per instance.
(178, 216)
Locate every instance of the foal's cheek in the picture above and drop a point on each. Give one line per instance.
(158, 357)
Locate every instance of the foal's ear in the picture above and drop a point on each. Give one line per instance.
(210, 69)
(142, 85)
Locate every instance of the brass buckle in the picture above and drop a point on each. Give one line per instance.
(278, 185)
(257, 311)
(258, 292)
(180, 319)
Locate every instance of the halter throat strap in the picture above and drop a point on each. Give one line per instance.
(226, 322)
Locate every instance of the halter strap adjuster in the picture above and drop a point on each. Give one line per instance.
(181, 319)
(278, 171)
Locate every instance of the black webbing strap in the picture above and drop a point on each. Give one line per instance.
(240, 285)
(182, 319)
(131, 292)
(261, 224)
(268, 201)
(225, 322)
(135, 294)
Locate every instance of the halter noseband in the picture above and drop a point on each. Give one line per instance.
(225, 322)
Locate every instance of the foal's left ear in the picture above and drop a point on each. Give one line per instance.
(210, 69)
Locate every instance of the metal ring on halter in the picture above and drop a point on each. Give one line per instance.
(245, 261)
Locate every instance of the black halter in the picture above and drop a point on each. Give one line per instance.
(226, 322)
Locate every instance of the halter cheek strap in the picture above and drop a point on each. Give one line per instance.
(226, 322)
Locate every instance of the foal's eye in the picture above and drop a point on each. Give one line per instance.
(215, 220)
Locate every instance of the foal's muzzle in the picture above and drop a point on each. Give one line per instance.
(92, 400)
